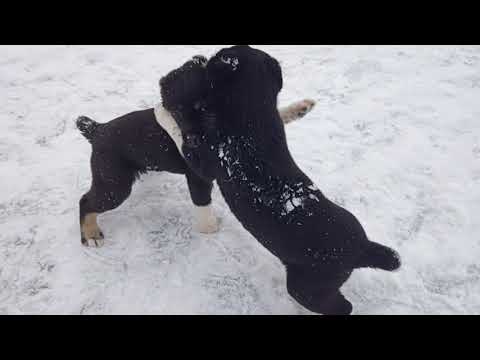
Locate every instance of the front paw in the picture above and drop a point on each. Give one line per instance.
(209, 227)
(303, 107)
(205, 220)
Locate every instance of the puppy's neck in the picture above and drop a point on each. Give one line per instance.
(168, 123)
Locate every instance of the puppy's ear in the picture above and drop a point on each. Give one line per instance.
(166, 91)
(164, 85)
(161, 82)
(276, 71)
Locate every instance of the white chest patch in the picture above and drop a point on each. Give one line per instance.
(166, 121)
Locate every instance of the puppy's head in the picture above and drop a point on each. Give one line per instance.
(242, 71)
(184, 92)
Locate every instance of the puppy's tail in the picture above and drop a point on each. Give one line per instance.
(378, 256)
(87, 127)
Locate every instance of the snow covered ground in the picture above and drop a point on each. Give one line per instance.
(395, 138)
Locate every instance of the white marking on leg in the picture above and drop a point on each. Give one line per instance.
(95, 243)
(91, 232)
(205, 220)
(167, 122)
(296, 110)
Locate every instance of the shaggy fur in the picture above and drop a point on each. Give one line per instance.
(241, 143)
(135, 143)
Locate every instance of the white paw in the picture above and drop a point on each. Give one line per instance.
(95, 243)
(209, 227)
(296, 110)
(303, 107)
(205, 221)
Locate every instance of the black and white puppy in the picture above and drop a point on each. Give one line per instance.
(245, 151)
(135, 143)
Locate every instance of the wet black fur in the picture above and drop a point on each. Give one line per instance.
(319, 242)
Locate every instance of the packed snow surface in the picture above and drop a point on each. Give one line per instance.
(394, 138)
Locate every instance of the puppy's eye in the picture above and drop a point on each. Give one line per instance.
(176, 114)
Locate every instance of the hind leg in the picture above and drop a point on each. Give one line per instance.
(318, 292)
(91, 235)
(111, 186)
(201, 193)
(334, 303)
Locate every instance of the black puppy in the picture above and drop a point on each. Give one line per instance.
(135, 143)
(246, 151)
